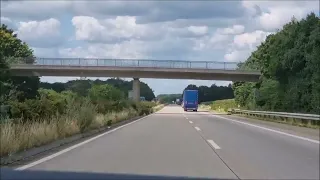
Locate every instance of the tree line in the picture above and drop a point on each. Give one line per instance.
(82, 86)
(289, 61)
(205, 93)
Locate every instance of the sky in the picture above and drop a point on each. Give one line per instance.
(165, 30)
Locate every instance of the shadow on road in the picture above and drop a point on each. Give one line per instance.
(11, 174)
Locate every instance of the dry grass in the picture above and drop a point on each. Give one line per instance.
(17, 137)
(157, 108)
(223, 105)
(204, 107)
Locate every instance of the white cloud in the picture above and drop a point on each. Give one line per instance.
(198, 30)
(45, 52)
(235, 29)
(237, 55)
(122, 28)
(218, 38)
(127, 50)
(5, 20)
(277, 17)
(274, 14)
(250, 40)
(40, 33)
(88, 28)
(112, 30)
(244, 44)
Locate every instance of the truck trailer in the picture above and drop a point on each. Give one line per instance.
(190, 100)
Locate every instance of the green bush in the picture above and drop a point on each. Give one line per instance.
(105, 92)
(109, 122)
(105, 106)
(58, 101)
(145, 107)
(87, 113)
(52, 104)
(48, 104)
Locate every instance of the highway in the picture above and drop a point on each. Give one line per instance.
(172, 142)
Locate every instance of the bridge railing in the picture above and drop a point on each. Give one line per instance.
(128, 63)
(281, 115)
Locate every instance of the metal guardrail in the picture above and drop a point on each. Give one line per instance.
(128, 63)
(277, 114)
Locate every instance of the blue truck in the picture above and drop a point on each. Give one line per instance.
(190, 100)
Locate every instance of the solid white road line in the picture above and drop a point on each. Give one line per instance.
(74, 146)
(197, 128)
(213, 144)
(272, 130)
(190, 122)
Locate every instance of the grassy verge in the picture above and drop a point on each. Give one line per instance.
(205, 107)
(158, 107)
(16, 137)
(223, 105)
(289, 121)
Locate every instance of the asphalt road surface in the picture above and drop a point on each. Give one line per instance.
(194, 144)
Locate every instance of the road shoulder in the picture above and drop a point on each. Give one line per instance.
(295, 130)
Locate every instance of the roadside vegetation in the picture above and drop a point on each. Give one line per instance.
(223, 105)
(34, 113)
(290, 65)
(290, 82)
(54, 116)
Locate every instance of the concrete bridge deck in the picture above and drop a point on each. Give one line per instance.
(199, 70)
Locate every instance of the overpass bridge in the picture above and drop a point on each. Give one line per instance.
(134, 68)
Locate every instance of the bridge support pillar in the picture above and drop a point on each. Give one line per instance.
(136, 89)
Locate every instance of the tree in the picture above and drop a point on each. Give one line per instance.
(80, 87)
(105, 92)
(205, 93)
(212, 93)
(12, 48)
(58, 87)
(168, 98)
(290, 66)
(146, 91)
